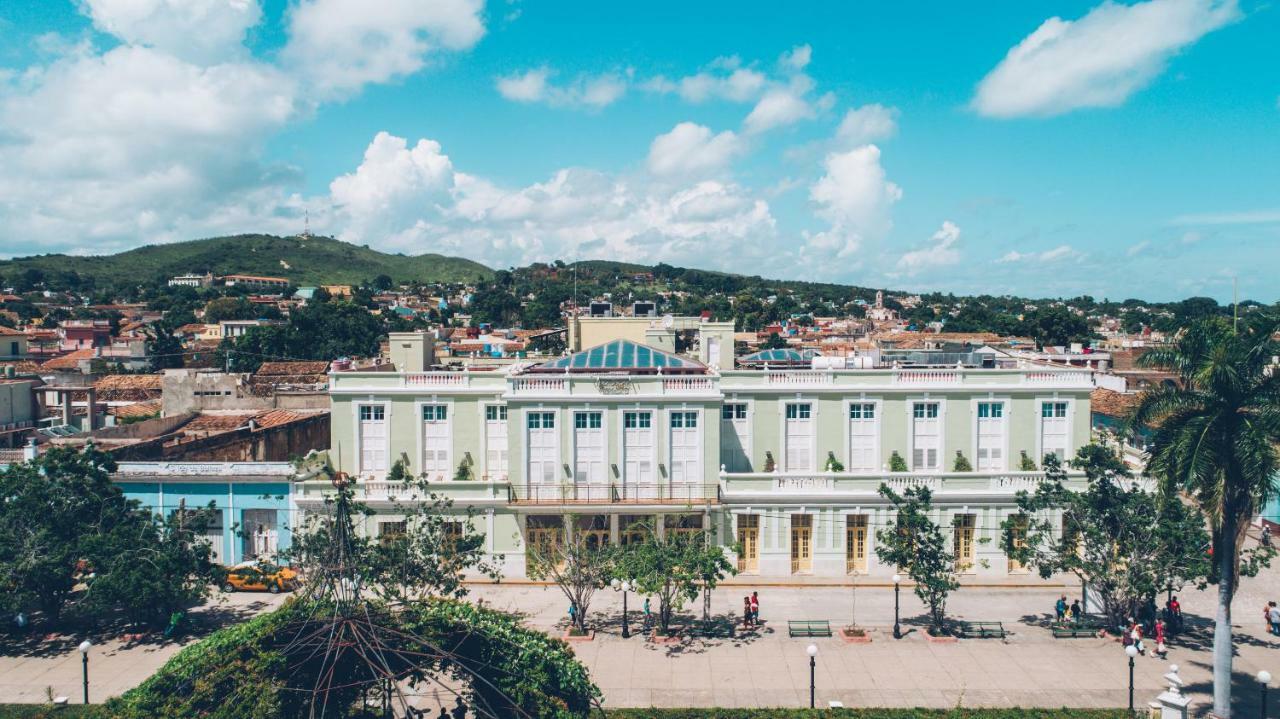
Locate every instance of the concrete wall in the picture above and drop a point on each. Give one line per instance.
(194, 391)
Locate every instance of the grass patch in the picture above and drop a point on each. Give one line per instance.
(45, 711)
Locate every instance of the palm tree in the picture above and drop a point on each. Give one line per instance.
(1215, 438)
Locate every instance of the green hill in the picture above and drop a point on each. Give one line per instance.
(310, 261)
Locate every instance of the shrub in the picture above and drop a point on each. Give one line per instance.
(962, 463)
(897, 463)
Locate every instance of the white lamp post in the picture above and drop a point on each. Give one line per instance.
(1131, 651)
(813, 664)
(897, 628)
(84, 664)
(1264, 679)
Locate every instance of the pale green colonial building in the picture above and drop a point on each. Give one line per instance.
(781, 462)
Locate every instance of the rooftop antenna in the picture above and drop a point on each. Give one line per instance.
(306, 223)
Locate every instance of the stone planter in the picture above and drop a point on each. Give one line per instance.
(862, 636)
(590, 636)
(943, 639)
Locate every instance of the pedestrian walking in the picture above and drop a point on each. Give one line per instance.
(1265, 539)
(1160, 651)
(647, 618)
(1060, 608)
(746, 611)
(1273, 618)
(573, 615)
(1175, 611)
(1076, 613)
(1135, 635)
(755, 609)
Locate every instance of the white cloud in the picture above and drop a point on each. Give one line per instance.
(105, 151)
(855, 197)
(797, 58)
(1056, 254)
(941, 252)
(735, 84)
(690, 149)
(866, 124)
(342, 45)
(1098, 60)
(590, 91)
(781, 106)
(202, 31)
(403, 198)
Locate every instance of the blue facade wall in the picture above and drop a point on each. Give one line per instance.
(231, 499)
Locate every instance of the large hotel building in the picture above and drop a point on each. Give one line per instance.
(654, 423)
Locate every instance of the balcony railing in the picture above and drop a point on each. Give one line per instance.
(616, 493)
(540, 385)
(753, 484)
(800, 378)
(681, 385)
(436, 379)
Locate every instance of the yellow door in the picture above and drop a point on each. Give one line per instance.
(962, 541)
(543, 540)
(749, 539)
(855, 543)
(801, 543)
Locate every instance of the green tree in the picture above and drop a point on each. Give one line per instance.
(63, 523)
(1214, 436)
(774, 342)
(676, 567)
(438, 544)
(324, 330)
(917, 546)
(164, 351)
(229, 308)
(1123, 543)
(578, 567)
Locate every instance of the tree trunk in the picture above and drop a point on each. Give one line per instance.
(1222, 649)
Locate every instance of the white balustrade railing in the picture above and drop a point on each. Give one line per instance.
(902, 484)
(800, 378)
(540, 385)
(1051, 377)
(672, 385)
(927, 377)
(436, 379)
(1016, 483)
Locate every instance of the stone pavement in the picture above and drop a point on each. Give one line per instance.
(29, 673)
(1030, 668)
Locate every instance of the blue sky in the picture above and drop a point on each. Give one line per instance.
(1044, 149)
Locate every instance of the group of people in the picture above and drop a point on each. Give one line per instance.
(751, 610)
(1135, 634)
(1066, 613)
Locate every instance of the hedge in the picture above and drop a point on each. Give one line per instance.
(76, 711)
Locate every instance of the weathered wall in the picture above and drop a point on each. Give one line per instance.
(273, 444)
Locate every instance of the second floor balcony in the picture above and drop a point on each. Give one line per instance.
(569, 493)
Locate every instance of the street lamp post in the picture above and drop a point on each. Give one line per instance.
(1264, 679)
(813, 665)
(897, 628)
(1131, 651)
(624, 587)
(84, 664)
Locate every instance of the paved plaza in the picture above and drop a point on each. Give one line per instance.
(1030, 668)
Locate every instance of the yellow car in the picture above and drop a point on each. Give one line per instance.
(259, 577)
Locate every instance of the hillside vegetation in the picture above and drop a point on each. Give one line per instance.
(311, 261)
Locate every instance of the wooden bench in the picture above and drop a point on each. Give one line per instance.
(1083, 630)
(981, 630)
(809, 628)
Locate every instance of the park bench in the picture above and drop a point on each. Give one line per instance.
(809, 628)
(980, 630)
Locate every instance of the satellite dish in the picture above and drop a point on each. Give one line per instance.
(668, 321)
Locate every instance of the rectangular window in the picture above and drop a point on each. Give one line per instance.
(373, 438)
(637, 420)
(991, 437)
(542, 420)
(799, 411)
(926, 410)
(926, 436)
(1054, 431)
(495, 441)
(685, 448)
(855, 543)
(434, 413)
(799, 437)
(962, 540)
(735, 437)
(864, 455)
(495, 413)
(587, 420)
(862, 410)
(1019, 536)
